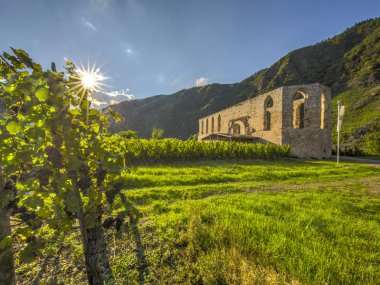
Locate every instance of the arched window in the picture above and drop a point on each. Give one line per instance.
(206, 126)
(202, 128)
(299, 110)
(268, 104)
(267, 121)
(323, 111)
(219, 123)
(212, 125)
(299, 95)
(236, 129)
(301, 113)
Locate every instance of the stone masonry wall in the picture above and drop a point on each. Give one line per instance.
(250, 116)
(312, 140)
(299, 116)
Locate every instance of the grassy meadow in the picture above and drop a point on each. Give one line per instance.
(252, 222)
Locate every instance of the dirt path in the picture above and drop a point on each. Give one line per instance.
(357, 159)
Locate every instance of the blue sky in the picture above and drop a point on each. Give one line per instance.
(161, 46)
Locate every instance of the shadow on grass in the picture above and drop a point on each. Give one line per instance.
(142, 263)
(46, 262)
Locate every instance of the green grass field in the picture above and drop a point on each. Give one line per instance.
(258, 222)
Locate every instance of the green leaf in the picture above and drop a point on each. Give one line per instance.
(42, 94)
(13, 128)
(96, 128)
(72, 203)
(43, 212)
(118, 118)
(75, 112)
(115, 115)
(34, 202)
(5, 241)
(28, 254)
(23, 232)
(93, 112)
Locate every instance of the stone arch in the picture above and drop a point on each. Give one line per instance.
(299, 109)
(207, 126)
(268, 104)
(323, 111)
(212, 125)
(236, 129)
(300, 94)
(243, 123)
(219, 123)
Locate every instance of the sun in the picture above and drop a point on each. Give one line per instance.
(85, 82)
(91, 79)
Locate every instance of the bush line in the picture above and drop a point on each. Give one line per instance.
(172, 150)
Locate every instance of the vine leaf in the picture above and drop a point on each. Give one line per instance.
(28, 254)
(13, 128)
(42, 94)
(34, 202)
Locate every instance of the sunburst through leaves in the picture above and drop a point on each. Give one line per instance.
(90, 78)
(86, 81)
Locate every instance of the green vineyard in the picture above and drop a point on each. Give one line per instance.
(172, 150)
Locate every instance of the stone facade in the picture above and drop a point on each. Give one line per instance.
(295, 115)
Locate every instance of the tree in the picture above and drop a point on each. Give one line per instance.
(52, 144)
(128, 134)
(157, 133)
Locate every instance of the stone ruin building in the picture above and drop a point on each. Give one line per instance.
(295, 115)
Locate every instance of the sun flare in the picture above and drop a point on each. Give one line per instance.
(90, 78)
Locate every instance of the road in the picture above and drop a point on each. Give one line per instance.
(356, 159)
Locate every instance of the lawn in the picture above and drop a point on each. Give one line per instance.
(257, 222)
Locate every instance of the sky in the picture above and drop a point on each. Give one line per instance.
(151, 47)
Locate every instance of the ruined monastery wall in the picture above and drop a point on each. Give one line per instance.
(314, 140)
(296, 115)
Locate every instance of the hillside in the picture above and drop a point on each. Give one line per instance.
(349, 63)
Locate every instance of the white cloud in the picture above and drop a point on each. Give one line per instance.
(120, 93)
(89, 24)
(97, 103)
(202, 81)
(130, 51)
(112, 102)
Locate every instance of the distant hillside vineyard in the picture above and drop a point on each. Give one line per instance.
(348, 63)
